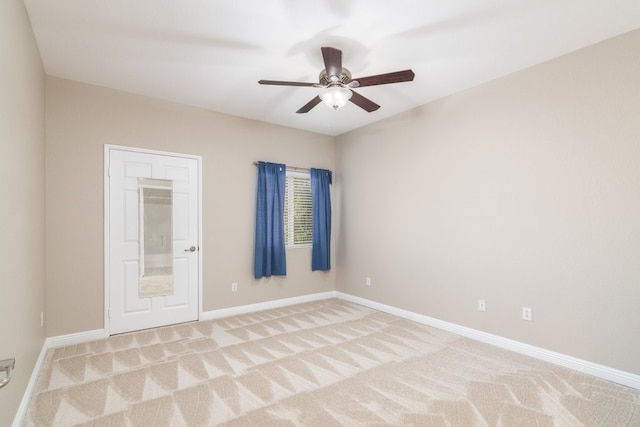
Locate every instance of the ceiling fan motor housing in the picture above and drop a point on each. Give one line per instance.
(342, 80)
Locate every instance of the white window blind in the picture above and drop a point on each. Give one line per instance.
(298, 226)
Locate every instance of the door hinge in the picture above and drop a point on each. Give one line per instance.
(109, 313)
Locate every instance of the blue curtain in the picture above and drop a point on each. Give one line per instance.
(270, 257)
(321, 202)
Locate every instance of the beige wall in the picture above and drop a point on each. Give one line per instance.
(82, 118)
(524, 191)
(22, 198)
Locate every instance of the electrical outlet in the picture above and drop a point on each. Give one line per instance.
(368, 281)
(41, 318)
(234, 287)
(482, 305)
(527, 314)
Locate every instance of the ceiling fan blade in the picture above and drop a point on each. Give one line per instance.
(362, 102)
(309, 105)
(279, 83)
(332, 61)
(383, 79)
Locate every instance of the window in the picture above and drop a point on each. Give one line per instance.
(298, 225)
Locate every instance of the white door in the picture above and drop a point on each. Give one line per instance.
(135, 178)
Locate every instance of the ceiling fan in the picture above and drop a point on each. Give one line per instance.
(337, 84)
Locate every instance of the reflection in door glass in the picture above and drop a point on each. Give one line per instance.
(156, 237)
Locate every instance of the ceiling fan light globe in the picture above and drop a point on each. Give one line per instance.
(335, 96)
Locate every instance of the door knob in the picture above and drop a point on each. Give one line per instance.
(191, 249)
(6, 366)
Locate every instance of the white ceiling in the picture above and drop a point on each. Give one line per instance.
(211, 53)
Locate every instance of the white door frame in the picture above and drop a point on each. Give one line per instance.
(107, 221)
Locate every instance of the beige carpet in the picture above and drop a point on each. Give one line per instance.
(324, 363)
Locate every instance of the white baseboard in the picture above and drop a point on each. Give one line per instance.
(18, 420)
(250, 308)
(51, 342)
(78, 338)
(611, 374)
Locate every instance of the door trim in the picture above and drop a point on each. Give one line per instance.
(107, 220)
